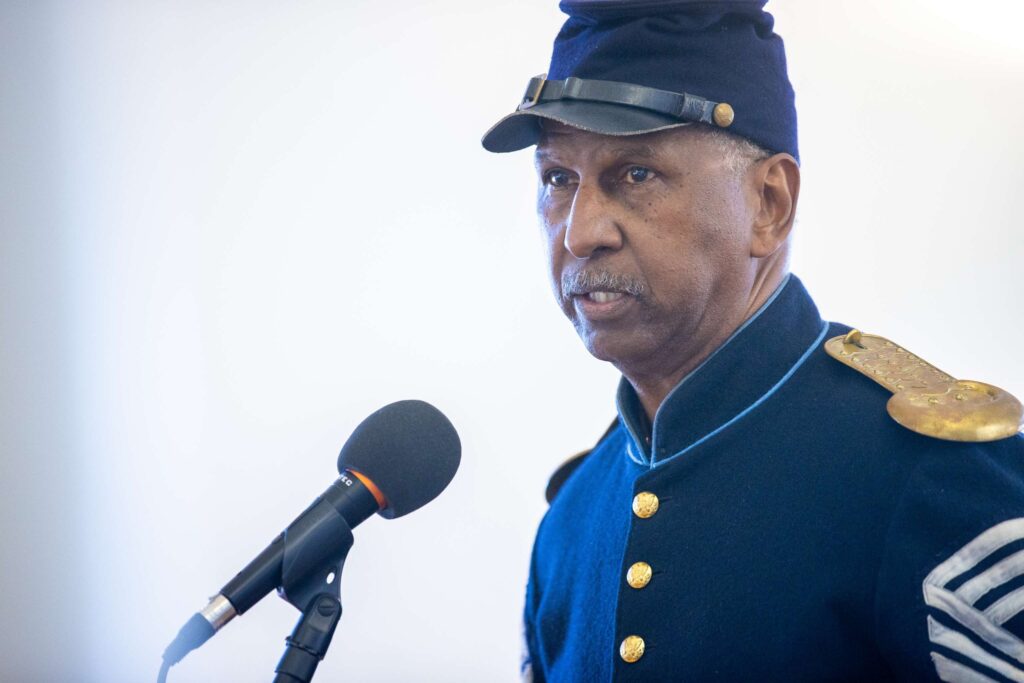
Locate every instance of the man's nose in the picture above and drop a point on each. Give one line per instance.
(591, 225)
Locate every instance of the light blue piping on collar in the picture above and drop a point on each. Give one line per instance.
(785, 378)
(632, 443)
(757, 314)
(641, 458)
(632, 456)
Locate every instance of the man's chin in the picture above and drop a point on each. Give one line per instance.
(614, 348)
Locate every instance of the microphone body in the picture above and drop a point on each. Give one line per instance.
(348, 495)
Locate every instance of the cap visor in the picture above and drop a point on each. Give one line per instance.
(521, 129)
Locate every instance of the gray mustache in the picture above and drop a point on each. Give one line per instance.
(585, 281)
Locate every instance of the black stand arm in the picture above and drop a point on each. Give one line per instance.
(308, 643)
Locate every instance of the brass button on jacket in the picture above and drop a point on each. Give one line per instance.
(645, 504)
(631, 649)
(638, 575)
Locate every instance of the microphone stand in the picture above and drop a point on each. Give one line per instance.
(312, 587)
(308, 643)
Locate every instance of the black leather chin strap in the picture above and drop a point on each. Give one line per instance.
(682, 106)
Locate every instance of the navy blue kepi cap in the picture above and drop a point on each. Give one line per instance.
(626, 67)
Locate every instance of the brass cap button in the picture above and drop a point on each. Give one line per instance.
(645, 504)
(723, 115)
(639, 575)
(631, 649)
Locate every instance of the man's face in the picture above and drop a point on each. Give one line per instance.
(649, 242)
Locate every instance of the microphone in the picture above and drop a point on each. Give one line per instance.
(397, 460)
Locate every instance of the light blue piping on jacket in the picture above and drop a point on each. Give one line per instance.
(632, 456)
(755, 404)
(757, 314)
(635, 438)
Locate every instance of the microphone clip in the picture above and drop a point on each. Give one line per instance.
(305, 572)
(312, 583)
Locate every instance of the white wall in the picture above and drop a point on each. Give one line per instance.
(233, 229)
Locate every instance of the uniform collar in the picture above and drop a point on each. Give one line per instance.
(759, 356)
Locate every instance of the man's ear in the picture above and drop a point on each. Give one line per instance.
(776, 188)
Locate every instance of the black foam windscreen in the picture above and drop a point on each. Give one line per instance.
(408, 449)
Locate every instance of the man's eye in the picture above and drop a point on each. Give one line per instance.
(557, 178)
(638, 174)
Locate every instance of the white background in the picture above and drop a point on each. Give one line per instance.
(230, 230)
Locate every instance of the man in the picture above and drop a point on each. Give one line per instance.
(761, 509)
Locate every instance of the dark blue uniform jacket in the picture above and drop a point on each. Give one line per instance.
(801, 533)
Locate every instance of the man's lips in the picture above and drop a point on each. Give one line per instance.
(603, 297)
(601, 305)
(598, 294)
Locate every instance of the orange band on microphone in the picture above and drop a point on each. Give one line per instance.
(382, 502)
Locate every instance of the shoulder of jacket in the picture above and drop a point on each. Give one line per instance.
(562, 474)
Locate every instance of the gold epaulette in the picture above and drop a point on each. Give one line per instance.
(925, 399)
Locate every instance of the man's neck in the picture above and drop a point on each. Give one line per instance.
(652, 389)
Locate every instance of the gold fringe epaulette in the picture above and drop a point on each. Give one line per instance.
(925, 399)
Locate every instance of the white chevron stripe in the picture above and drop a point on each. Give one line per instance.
(986, 625)
(994, 635)
(977, 550)
(993, 577)
(1006, 607)
(955, 672)
(958, 642)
